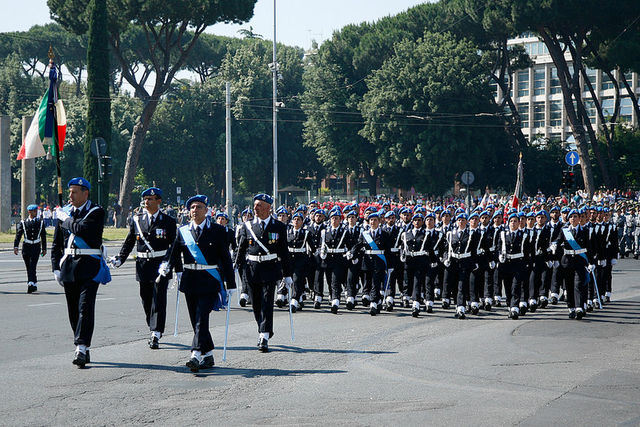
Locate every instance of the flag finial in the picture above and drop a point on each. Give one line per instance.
(51, 55)
(521, 155)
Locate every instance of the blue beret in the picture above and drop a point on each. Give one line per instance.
(389, 214)
(298, 215)
(350, 212)
(198, 198)
(320, 212)
(599, 209)
(374, 215)
(512, 210)
(542, 212)
(574, 212)
(555, 208)
(32, 207)
(247, 211)
(79, 181)
(462, 216)
(497, 213)
(263, 198)
(531, 215)
(223, 215)
(581, 211)
(438, 209)
(386, 204)
(152, 191)
(483, 213)
(459, 211)
(474, 215)
(513, 215)
(420, 209)
(491, 207)
(370, 209)
(446, 212)
(477, 209)
(430, 215)
(334, 212)
(313, 201)
(565, 209)
(299, 209)
(283, 210)
(521, 214)
(605, 210)
(417, 215)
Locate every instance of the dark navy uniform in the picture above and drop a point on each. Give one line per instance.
(333, 262)
(540, 278)
(353, 265)
(513, 254)
(299, 248)
(463, 259)
(152, 237)
(35, 244)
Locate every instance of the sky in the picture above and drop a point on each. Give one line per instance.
(298, 21)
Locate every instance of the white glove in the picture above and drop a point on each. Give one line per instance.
(61, 214)
(602, 263)
(553, 248)
(502, 258)
(58, 276)
(115, 262)
(492, 264)
(591, 267)
(288, 281)
(179, 276)
(556, 264)
(323, 255)
(354, 261)
(549, 264)
(614, 261)
(446, 263)
(349, 255)
(163, 270)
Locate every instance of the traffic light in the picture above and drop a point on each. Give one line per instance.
(105, 167)
(568, 179)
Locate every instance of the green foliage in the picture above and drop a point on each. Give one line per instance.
(626, 150)
(421, 116)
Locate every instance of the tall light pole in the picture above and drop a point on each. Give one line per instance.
(274, 69)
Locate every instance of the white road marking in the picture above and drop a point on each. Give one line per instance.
(104, 299)
(45, 303)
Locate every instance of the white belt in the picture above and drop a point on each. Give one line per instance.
(77, 251)
(480, 251)
(199, 266)
(576, 252)
(152, 254)
(515, 256)
(33, 242)
(434, 264)
(492, 248)
(372, 252)
(297, 250)
(336, 251)
(461, 256)
(262, 258)
(395, 250)
(416, 253)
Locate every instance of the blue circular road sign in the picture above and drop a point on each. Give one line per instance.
(572, 158)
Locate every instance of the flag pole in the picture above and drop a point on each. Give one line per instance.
(51, 105)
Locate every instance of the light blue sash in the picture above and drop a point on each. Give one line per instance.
(575, 246)
(372, 244)
(198, 256)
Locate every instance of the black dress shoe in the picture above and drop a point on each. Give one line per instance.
(207, 362)
(445, 305)
(334, 309)
(293, 308)
(533, 308)
(562, 297)
(379, 308)
(607, 299)
(543, 303)
(572, 315)
(406, 303)
(461, 315)
(415, 312)
(153, 343)
(589, 308)
(429, 309)
(366, 303)
(350, 305)
(87, 356)
(279, 303)
(523, 310)
(263, 345)
(373, 311)
(243, 302)
(498, 303)
(389, 307)
(514, 315)
(554, 300)
(31, 289)
(193, 364)
(475, 310)
(579, 314)
(79, 359)
(316, 305)
(487, 307)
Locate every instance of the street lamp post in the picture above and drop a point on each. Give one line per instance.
(275, 110)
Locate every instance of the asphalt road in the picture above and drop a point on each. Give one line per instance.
(350, 368)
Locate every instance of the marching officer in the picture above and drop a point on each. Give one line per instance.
(512, 249)
(353, 265)
(397, 275)
(316, 271)
(78, 264)
(332, 253)
(262, 246)
(247, 215)
(374, 246)
(200, 256)
(35, 244)
(297, 241)
(152, 233)
(415, 260)
(462, 259)
(542, 263)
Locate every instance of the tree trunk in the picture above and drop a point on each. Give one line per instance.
(133, 155)
(634, 99)
(567, 81)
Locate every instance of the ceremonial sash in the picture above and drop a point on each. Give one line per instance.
(198, 256)
(373, 246)
(572, 242)
(104, 275)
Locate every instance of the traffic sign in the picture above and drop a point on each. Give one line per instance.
(98, 147)
(572, 158)
(467, 178)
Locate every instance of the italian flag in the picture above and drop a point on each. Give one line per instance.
(42, 132)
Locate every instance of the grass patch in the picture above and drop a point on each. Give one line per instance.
(110, 234)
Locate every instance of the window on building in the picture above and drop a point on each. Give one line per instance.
(538, 115)
(523, 83)
(538, 82)
(555, 137)
(591, 75)
(627, 77)
(494, 89)
(608, 105)
(523, 110)
(554, 81)
(606, 82)
(555, 113)
(626, 109)
(590, 106)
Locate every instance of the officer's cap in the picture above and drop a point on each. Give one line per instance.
(417, 216)
(152, 191)
(198, 198)
(513, 215)
(541, 212)
(374, 215)
(298, 215)
(389, 214)
(320, 212)
(223, 215)
(462, 216)
(79, 181)
(32, 207)
(474, 215)
(263, 198)
(574, 212)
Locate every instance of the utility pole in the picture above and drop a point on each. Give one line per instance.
(275, 111)
(228, 189)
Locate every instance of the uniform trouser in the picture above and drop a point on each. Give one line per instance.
(591, 288)
(299, 277)
(430, 278)
(262, 295)
(353, 275)
(154, 301)
(440, 277)
(30, 255)
(336, 275)
(525, 291)
(414, 276)
(318, 281)
(576, 285)
(607, 279)
(200, 307)
(374, 280)
(244, 288)
(396, 278)
(538, 278)
(81, 306)
(477, 283)
(459, 277)
(497, 282)
(489, 282)
(558, 280)
(399, 278)
(511, 276)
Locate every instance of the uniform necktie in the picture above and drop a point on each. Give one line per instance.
(197, 233)
(262, 226)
